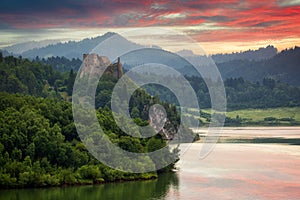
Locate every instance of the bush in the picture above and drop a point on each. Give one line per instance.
(91, 172)
(7, 180)
(270, 119)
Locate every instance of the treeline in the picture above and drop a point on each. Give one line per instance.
(61, 64)
(260, 54)
(267, 94)
(284, 67)
(18, 75)
(240, 93)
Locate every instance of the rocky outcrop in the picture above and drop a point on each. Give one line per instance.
(93, 64)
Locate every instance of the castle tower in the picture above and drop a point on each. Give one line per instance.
(120, 68)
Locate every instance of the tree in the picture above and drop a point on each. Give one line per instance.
(70, 82)
(135, 113)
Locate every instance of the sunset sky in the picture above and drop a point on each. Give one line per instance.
(218, 26)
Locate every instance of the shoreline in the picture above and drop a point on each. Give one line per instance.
(229, 135)
(82, 184)
(254, 135)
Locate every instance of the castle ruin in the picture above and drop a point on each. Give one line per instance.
(93, 64)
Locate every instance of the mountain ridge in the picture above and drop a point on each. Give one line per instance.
(70, 49)
(75, 49)
(19, 48)
(253, 65)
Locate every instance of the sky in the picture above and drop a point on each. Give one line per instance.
(217, 26)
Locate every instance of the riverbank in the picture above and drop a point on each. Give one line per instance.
(84, 182)
(137, 190)
(281, 116)
(230, 171)
(280, 135)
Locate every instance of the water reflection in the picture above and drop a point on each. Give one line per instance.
(136, 190)
(232, 171)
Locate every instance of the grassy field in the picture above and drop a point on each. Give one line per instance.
(281, 115)
(261, 114)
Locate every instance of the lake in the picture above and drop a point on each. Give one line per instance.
(231, 171)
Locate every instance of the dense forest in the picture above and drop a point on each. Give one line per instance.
(283, 67)
(61, 64)
(240, 93)
(39, 145)
(40, 79)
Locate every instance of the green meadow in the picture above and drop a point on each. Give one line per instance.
(285, 116)
(261, 114)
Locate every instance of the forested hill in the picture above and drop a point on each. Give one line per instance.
(39, 145)
(75, 49)
(240, 94)
(18, 75)
(284, 67)
(260, 54)
(71, 49)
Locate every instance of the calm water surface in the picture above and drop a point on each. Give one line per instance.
(231, 171)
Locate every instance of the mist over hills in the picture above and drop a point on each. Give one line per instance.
(159, 56)
(75, 49)
(284, 67)
(253, 65)
(72, 49)
(26, 46)
(256, 55)
(5, 53)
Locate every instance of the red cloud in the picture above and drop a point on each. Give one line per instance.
(233, 20)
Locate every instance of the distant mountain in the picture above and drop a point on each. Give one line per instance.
(154, 56)
(26, 46)
(256, 55)
(74, 49)
(253, 65)
(4, 52)
(284, 67)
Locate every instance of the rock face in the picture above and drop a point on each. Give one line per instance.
(93, 64)
(160, 123)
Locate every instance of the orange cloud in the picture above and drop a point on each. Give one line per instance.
(211, 20)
